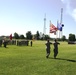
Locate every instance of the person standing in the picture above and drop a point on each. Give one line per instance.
(5, 43)
(55, 48)
(31, 43)
(48, 48)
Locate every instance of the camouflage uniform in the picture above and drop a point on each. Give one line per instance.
(55, 48)
(48, 48)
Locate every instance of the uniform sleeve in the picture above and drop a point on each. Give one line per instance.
(45, 43)
(58, 43)
(51, 43)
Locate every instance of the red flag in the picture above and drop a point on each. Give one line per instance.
(10, 36)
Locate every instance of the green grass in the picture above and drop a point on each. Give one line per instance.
(26, 60)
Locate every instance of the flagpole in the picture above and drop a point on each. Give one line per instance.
(58, 31)
(56, 34)
(49, 27)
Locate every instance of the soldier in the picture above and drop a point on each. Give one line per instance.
(55, 48)
(31, 43)
(48, 48)
(5, 43)
(0, 43)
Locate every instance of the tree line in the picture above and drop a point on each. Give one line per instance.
(41, 36)
(30, 36)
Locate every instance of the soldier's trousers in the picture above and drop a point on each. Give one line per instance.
(55, 52)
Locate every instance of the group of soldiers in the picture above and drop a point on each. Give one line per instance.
(48, 48)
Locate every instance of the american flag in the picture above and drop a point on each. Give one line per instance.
(53, 29)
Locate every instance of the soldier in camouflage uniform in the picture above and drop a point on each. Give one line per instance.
(55, 48)
(48, 48)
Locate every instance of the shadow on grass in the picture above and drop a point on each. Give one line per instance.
(5, 47)
(63, 59)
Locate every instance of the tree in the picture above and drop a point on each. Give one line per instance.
(29, 35)
(71, 37)
(63, 38)
(47, 37)
(37, 35)
(41, 35)
(22, 37)
(16, 36)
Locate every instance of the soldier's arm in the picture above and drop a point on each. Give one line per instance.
(45, 43)
(58, 43)
(51, 43)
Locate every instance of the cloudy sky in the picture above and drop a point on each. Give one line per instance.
(28, 15)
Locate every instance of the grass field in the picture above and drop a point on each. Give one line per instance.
(26, 60)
